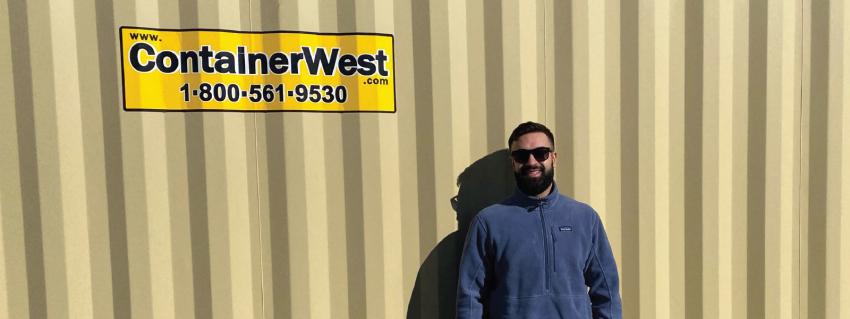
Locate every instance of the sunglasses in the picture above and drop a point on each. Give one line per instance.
(540, 154)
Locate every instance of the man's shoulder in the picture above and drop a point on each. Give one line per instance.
(503, 207)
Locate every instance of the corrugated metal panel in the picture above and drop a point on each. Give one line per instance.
(711, 135)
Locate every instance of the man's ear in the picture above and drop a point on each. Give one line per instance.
(554, 157)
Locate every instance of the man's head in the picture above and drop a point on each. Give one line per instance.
(533, 158)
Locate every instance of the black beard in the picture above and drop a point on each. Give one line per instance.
(533, 186)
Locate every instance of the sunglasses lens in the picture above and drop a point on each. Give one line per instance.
(520, 156)
(540, 154)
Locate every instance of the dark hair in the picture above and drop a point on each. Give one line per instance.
(530, 127)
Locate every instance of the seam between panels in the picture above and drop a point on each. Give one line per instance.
(545, 59)
(800, 158)
(258, 194)
(259, 220)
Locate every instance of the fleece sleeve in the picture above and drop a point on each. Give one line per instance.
(601, 276)
(472, 272)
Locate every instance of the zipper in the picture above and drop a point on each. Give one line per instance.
(546, 249)
(554, 250)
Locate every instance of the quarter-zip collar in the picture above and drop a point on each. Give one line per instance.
(531, 202)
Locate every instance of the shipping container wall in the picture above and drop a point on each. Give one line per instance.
(712, 136)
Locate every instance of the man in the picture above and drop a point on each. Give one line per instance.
(538, 254)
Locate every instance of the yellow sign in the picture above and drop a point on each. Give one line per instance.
(223, 70)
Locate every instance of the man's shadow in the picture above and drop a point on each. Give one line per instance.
(487, 181)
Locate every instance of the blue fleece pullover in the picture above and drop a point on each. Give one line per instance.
(538, 258)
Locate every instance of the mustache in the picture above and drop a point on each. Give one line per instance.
(528, 168)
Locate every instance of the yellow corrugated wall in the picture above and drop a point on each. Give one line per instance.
(712, 136)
